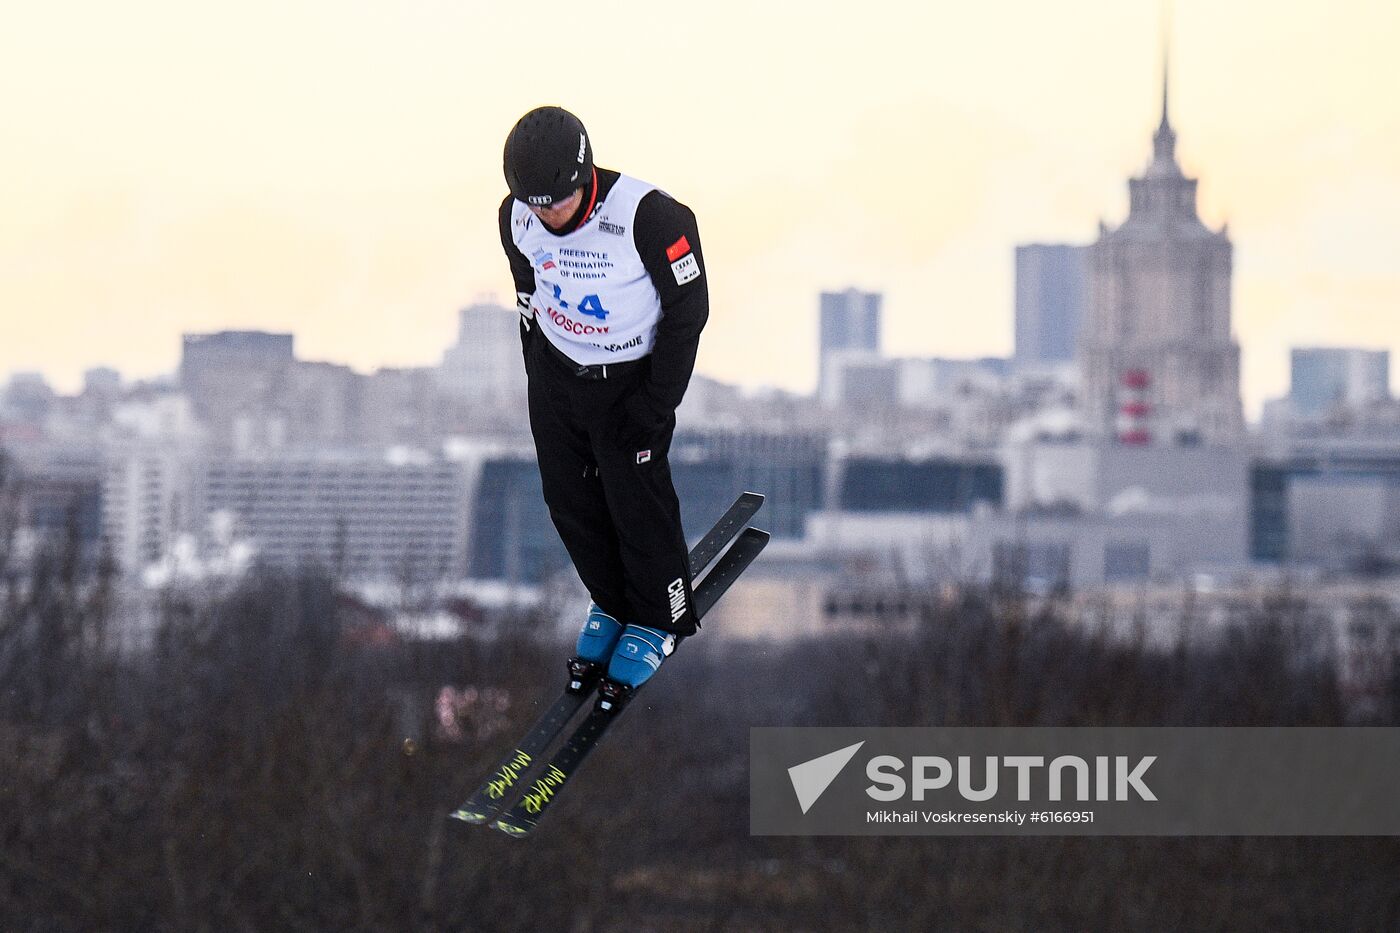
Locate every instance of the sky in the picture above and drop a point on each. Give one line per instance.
(333, 169)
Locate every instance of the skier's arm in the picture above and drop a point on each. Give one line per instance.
(669, 243)
(520, 269)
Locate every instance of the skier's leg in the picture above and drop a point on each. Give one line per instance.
(572, 488)
(646, 515)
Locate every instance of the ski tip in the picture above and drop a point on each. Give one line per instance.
(749, 496)
(470, 816)
(511, 830)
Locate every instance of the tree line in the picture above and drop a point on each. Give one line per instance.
(273, 760)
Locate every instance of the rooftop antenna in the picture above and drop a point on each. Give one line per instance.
(1166, 54)
(1164, 140)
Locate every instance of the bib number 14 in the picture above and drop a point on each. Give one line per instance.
(593, 307)
(590, 305)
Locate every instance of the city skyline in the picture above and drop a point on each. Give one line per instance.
(165, 186)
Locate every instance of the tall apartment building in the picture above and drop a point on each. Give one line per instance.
(485, 364)
(367, 516)
(850, 323)
(1158, 358)
(151, 452)
(147, 488)
(1051, 290)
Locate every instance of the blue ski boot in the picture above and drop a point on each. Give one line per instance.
(639, 654)
(599, 636)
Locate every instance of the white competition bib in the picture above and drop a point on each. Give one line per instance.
(593, 298)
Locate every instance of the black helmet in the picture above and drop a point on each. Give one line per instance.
(548, 156)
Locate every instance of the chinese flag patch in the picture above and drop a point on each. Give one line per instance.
(677, 249)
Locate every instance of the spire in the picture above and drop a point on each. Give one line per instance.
(1164, 140)
(1166, 64)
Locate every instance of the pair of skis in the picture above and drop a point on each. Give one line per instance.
(504, 799)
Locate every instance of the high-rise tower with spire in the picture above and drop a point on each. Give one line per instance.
(1160, 364)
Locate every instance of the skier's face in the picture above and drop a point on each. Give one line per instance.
(557, 214)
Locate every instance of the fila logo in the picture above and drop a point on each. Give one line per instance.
(643, 456)
(677, 593)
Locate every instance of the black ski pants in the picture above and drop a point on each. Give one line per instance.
(609, 490)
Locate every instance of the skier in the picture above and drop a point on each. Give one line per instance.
(611, 288)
